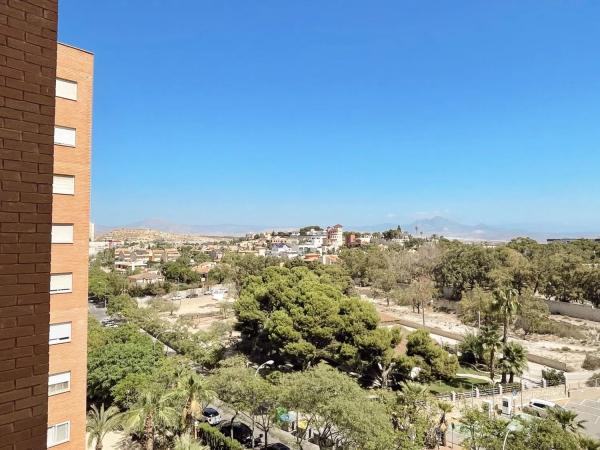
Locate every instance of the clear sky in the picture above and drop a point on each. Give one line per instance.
(271, 112)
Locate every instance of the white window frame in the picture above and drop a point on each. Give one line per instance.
(59, 190)
(61, 340)
(67, 83)
(61, 291)
(64, 143)
(59, 378)
(66, 228)
(52, 444)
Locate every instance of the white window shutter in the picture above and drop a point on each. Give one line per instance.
(61, 283)
(63, 184)
(66, 89)
(60, 332)
(62, 234)
(65, 136)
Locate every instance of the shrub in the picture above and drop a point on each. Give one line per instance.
(591, 362)
(594, 380)
(216, 440)
(553, 377)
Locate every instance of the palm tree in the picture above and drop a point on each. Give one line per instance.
(508, 303)
(194, 390)
(588, 443)
(445, 408)
(100, 422)
(514, 361)
(566, 418)
(153, 409)
(491, 342)
(187, 442)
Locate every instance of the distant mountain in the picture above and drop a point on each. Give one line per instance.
(451, 229)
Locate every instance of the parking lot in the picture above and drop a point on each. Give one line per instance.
(588, 410)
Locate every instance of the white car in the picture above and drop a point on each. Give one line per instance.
(541, 405)
(212, 416)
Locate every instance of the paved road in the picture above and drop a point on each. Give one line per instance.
(97, 311)
(587, 409)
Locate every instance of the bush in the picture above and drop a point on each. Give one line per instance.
(594, 380)
(591, 362)
(553, 377)
(440, 363)
(216, 440)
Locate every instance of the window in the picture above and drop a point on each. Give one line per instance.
(64, 136)
(59, 333)
(63, 184)
(62, 234)
(66, 89)
(59, 433)
(59, 383)
(61, 283)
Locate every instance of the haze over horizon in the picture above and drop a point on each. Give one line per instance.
(311, 112)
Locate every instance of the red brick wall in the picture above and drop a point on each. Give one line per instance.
(27, 81)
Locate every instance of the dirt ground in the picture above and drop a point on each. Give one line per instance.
(568, 350)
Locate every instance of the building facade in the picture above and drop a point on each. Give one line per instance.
(69, 249)
(27, 110)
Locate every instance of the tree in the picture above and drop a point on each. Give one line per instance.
(417, 294)
(114, 353)
(154, 410)
(120, 305)
(187, 442)
(100, 422)
(232, 384)
(296, 316)
(513, 362)
(507, 304)
(195, 390)
(334, 404)
(445, 408)
(491, 343)
(438, 363)
(567, 419)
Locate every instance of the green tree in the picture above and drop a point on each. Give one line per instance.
(100, 422)
(334, 403)
(120, 305)
(439, 364)
(513, 362)
(491, 343)
(567, 419)
(195, 390)
(507, 304)
(296, 316)
(154, 410)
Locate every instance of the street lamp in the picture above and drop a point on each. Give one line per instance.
(263, 365)
(512, 426)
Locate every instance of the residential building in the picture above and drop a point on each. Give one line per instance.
(335, 235)
(145, 278)
(44, 229)
(70, 249)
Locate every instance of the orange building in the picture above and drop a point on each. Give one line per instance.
(69, 249)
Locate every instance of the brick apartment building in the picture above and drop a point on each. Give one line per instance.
(45, 142)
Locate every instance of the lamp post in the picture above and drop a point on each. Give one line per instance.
(262, 366)
(512, 426)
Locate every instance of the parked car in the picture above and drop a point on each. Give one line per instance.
(277, 446)
(541, 406)
(242, 433)
(211, 415)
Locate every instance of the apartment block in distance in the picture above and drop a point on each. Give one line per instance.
(69, 249)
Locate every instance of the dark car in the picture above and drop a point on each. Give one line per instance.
(241, 433)
(277, 446)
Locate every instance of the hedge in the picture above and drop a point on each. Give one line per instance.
(216, 440)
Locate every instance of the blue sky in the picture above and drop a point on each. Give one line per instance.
(284, 113)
